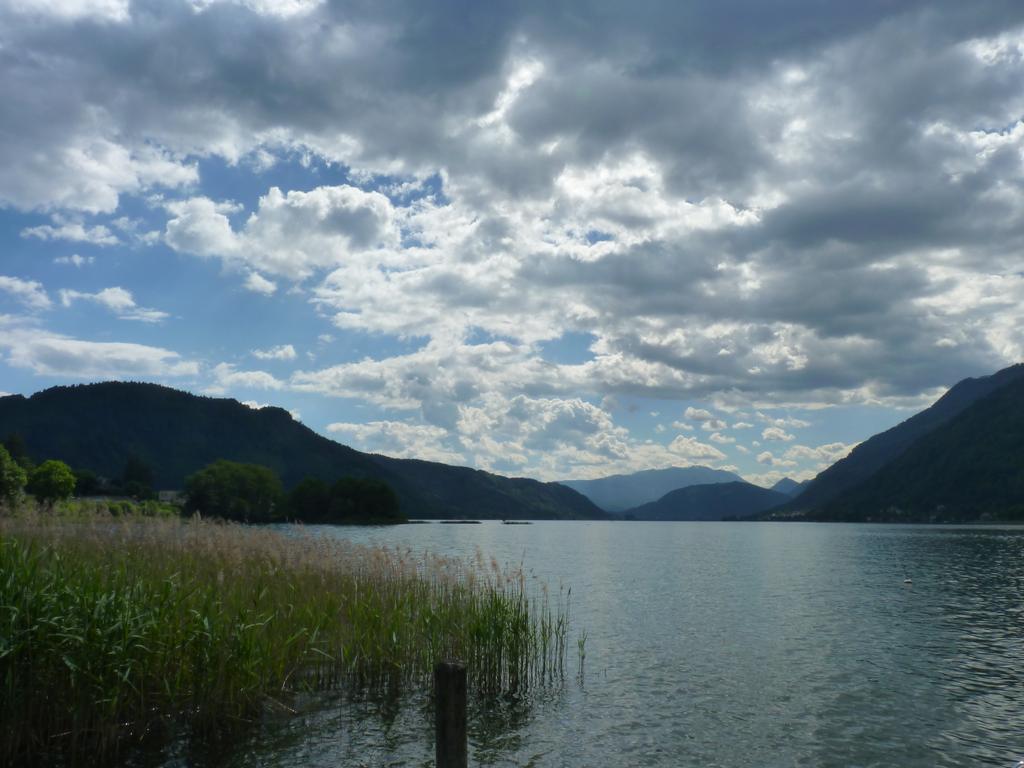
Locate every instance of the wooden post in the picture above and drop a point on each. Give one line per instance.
(450, 715)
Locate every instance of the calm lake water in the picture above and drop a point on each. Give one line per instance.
(724, 644)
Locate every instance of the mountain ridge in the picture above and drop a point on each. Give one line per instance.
(99, 426)
(621, 492)
(711, 501)
(875, 452)
(970, 468)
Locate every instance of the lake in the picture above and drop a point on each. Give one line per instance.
(726, 644)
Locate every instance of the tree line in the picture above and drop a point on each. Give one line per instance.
(224, 489)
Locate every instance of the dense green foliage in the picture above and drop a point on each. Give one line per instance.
(230, 490)
(15, 446)
(968, 469)
(12, 477)
(137, 478)
(109, 629)
(349, 500)
(98, 427)
(715, 501)
(51, 481)
(875, 452)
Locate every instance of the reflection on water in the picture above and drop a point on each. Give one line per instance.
(722, 645)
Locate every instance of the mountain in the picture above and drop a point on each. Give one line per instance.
(617, 493)
(875, 452)
(789, 487)
(100, 426)
(970, 468)
(713, 501)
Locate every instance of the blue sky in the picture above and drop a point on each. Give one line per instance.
(542, 243)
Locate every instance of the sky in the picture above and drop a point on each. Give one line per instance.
(556, 240)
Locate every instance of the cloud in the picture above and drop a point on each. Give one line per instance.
(398, 439)
(784, 421)
(766, 457)
(75, 260)
(281, 352)
(28, 292)
(776, 434)
(769, 207)
(717, 437)
(117, 300)
(290, 234)
(227, 377)
(698, 414)
(822, 455)
(63, 229)
(256, 283)
(49, 354)
(691, 448)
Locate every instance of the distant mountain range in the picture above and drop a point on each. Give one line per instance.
(961, 459)
(618, 493)
(709, 502)
(789, 487)
(100, 426)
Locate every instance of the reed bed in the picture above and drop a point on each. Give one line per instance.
(111, 627)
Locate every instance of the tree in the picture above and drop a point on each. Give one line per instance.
(15, 445)
(309, 501)
(51, 481)
(235, 491)
(363, 500)
(12, 477)
(86, 483)
(137, 478)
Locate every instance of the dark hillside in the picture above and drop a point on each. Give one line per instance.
(968, 469)
(714, 501)
(871, 455)
(99, 426)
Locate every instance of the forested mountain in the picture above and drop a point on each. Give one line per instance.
(713, 501)
(617, 493)
(970, 468)
(875, 452)
(98, 427)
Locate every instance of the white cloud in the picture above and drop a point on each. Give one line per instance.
(227, 377)
(717, 437)
(29, 292)
(783, 421)
(76, 231)
(822, 455)
(117, 300)
(290, 234)
(766, 457)
(713, 425)
(50, 354)
(698, 414)
(281, 352)
(75, 260)
(256, 283)
(691, 448)
(776, 434)
(399, 439)
(71, 10)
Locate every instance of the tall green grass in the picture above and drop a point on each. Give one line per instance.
(111, 627)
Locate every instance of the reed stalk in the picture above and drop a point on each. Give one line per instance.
(111, 626)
